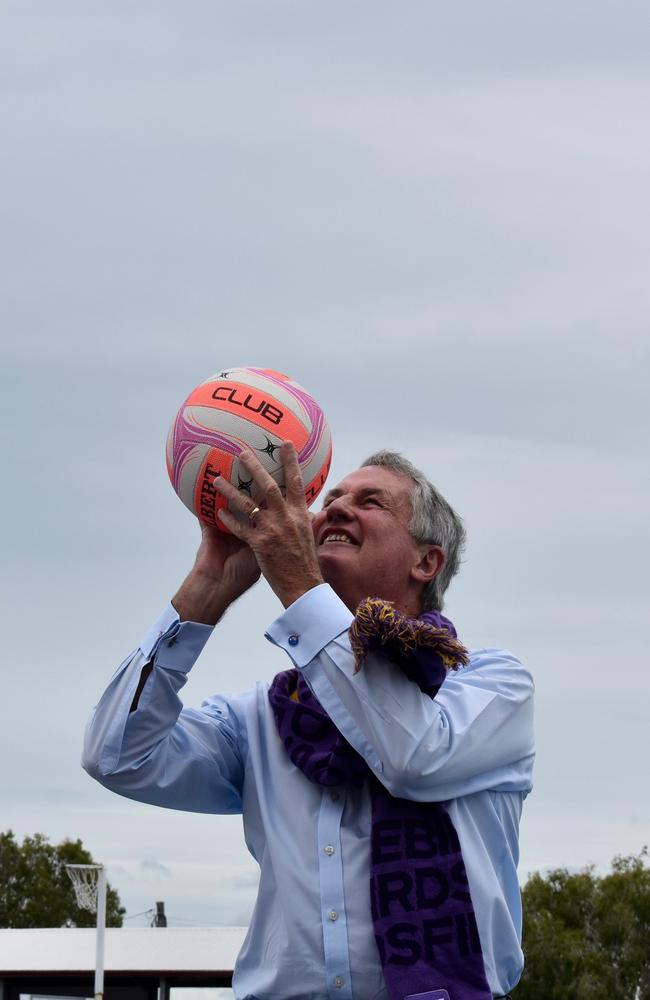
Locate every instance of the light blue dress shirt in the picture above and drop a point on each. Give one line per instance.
(311, 934)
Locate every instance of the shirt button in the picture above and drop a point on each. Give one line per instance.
(332, 915)
(338, 982)
(329, 850)
(294, 639)
(334, 796)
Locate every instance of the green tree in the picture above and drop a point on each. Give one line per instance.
(35, 889)
(588, 937)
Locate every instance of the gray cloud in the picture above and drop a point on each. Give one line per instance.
(437, 221)
(149, 866)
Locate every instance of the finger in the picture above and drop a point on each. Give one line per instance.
(238, 528)
(294, 484)
(236, 498)
(266, 484)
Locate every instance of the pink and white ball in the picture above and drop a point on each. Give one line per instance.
(244, 407)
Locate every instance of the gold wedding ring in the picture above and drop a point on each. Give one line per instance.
(253, 513)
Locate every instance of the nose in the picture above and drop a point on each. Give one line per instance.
(339, 507)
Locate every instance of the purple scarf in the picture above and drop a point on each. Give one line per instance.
(422, 912)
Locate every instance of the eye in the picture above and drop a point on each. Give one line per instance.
(373, 500)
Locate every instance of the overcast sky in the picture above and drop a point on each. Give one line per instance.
(435, 217)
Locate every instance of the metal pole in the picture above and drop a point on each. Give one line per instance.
(101, 925)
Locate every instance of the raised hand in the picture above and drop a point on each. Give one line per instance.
(225, 568)
(279, 528)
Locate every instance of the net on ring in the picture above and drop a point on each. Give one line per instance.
(84, 880)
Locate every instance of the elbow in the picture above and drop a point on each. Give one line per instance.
(409, 768)
(95, 758)
(91, 762)
(107, 768)
(409, 778)
(395, 780)
(91, 753)
(405, 784)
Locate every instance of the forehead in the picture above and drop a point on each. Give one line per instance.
(376, 477)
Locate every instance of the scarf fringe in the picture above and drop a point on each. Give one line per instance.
(377, 621)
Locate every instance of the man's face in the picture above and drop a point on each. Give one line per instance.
(363, 542)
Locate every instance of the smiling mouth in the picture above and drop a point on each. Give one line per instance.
(337, 537)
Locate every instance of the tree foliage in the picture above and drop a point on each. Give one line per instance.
(35, 889)
(588, 937)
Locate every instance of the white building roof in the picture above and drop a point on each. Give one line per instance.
(132, 949)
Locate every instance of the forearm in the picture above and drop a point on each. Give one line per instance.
(173, 648)
(200, 599)
(159, 752)
(133, 720)
(223, 570)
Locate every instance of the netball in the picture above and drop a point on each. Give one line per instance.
(244, 407)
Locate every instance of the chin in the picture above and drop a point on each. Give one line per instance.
(327, 563)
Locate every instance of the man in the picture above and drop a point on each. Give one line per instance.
(373, 797)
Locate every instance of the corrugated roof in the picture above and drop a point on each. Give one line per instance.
(133, 949)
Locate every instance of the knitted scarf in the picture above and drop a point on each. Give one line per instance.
(422, 912)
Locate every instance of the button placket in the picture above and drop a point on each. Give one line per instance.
(333, 916)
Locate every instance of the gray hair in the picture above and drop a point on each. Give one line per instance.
(433, 520)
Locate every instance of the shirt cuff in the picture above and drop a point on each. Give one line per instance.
(175, 644)
(309, 624)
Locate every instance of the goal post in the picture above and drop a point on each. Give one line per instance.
(89, 883)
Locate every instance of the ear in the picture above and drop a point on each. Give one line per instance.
(432, 559)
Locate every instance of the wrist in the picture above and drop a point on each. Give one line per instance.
(200, 599)
(289, 595)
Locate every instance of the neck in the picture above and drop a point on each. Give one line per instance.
(408, 604)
